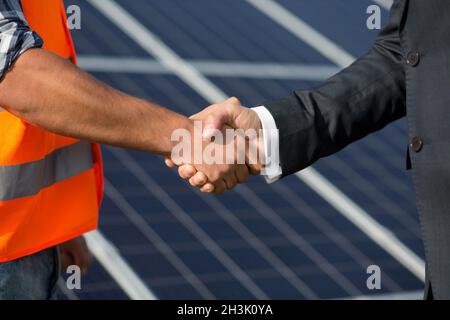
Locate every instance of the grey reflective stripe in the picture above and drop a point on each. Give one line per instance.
(28, 179)
(1, 109)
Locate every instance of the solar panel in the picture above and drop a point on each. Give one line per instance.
(259, 241)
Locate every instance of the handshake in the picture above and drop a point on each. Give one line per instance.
(226, 148)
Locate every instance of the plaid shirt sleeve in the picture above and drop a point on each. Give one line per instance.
(16, 37)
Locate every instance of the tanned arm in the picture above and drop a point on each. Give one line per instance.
(53, 94)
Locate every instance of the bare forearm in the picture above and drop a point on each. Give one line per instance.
(52, 94)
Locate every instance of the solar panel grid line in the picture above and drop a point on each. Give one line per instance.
(244, 86)
(101, 286)
(235, 28)
(234, 69)
(386, 4)
(229, 23)
(298, 241)
(138, 249)
(261, 248)
(175, 95)
(401, 132)
(391, 186)
(134, 29)
(205, 33)
(329, 230)
(189, 223)
(409, 295)
(359, 217)
(384, 200)
(374, 194)
(260, 273)
(266, 70)
(403, 189)
(309, 35)
(156, 240)
(108, 255)
(383, 147)
(68, 294)
(379, 146)
(397, 139)
(263, 273)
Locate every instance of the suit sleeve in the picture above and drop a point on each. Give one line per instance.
(361, 99)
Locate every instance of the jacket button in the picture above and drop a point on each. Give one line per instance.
(416, 144)
(413, 58)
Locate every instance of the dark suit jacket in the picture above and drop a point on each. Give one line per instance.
(407, 72)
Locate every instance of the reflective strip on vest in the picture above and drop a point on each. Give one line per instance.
(28, 179)
(1, 109)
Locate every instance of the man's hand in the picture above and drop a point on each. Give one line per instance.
(75, 252)
(229, 113)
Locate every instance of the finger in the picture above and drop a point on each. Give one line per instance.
(230, 181)
(74, 259)
(198, 180)
(220, 187)
(187, 171)
(87, 260)
(203, 114)
(85, 256)
(233, 101)
(85, 263)
(207, 188)
(65, 260)
(255, 170)
(169, 163)
(242, 173)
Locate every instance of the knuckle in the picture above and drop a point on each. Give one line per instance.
(234, 100)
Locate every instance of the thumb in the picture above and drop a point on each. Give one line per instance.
(216, 116)
(220, 115)
(214, 121)
(168, 161)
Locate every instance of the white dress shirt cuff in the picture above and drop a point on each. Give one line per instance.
(272, 170)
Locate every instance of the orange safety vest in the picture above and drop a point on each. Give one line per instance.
(50, 186)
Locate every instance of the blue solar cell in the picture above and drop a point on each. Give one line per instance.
(278, 288)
